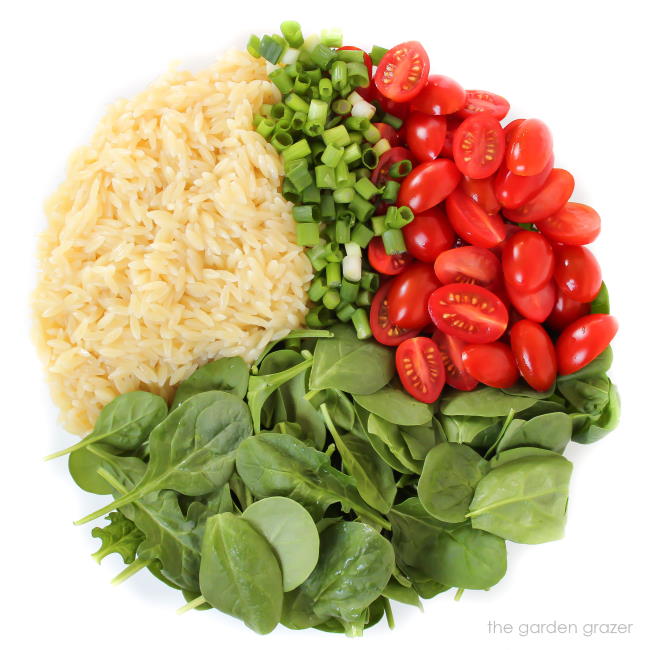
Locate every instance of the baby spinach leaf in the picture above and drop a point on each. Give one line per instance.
(420, 439)
(429, 588)
(119, 536)
(454, 555)
(600, 364)
(372, 615)
(276, 464)
(449, 478)
(484, 402)
(125, 423)
(239, 573)
(229, 375)
(292, 336)
(292, 534)
(339, 406)
(354, 567)
(351, 364)
(553, 404)
(509, 455)
(193, 450)
(522, 389)
(396, 406)
(386, 440)
(600, 304)
(524, 500)
(402, 594)
(588, 394)
(550, 431)
(468, 429)
(603, 423)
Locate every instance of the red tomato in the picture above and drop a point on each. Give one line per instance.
(385, 331)
(510, 128)
(536, 305)
(575, 223)
(420, 368)
(428, 235)
(513, 191)
(534, 354)
(530, 147)
(565, 311)
(451, 350)
(425, 135)
(402, 72)
(469, 264)
(384, 263)
(470, 312)
(511, 229)
(472, 222)
(440, 96)
(398, 109)
(582, 341)
(408, 295)
(479, 146)
(387, 132)
(481, 190)
(379, 174)
(577, 272)
(428, 184)
(557, 190)
(482, 101)
(453, 122)
(527, 260)
(492, 364)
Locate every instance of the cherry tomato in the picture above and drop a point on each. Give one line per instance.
(398, 109)
(420, 368)
(402, 72)
(513, 191)
(565, 311)
(510, 128)
(384, 263)
(482, 101)
(534, 354)
(577, 272)
(536, 305)
(408, 295)
(527, 260)
(470, 312)
(469, 264)
(582, 341)
(387, 132)
(472, 222)
(479, 146)
(481, 190)
(428, 235)
(385, 331)
(425, 135)
(451, 350)
(428, 184)
(557, 190)
(492, 364)
(530, 147)
(575, 223)
(440, 96)
(511, 229)
(379, 174)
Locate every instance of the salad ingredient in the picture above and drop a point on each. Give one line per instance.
(402, 71)
(513, 191)
(553, 195)
(534, 354)
(440, 96)
(527, 260)
(483, 101)
(530, 148)
(407, 297)
(420, 368)
(119, 536)
(481, 190)
(479, 146)
(384, 263)
(425, 135)
(468, 264)
(577, 272)
(574, 223)
(491, 363)
(472, 223)
(428, 184)
(535, 305)
(429, 235)
(395, 406)
(451, 350)
(565, 311)
(384, 330)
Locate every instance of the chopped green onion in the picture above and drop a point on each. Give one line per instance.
(307, 234)
(341, 231)
(377, 54)
(339, 75)
(358, 74)
(390, 192)
(297, 150)
(362, 172)
(361, 324)
(294, 69)
(290, 56)
(370, 281)
(301, 83)
(327, 206)
(292, 33)
(393, 241)
(350, 56)
(361, 235)
(325, 177)
(366, 188)
(331, 156)
(271, 49)
(282, 125)
(302, 213)
(378, 226)
(331, 299)
(296, 103)
(297, 171)
(253, 46)
(319, 316)
(364, 298)
(318, 257)
(343, 195)
(317, 111)
(333, 252)
(345, 310)
(338, 136)
(349, 290)
(363, 109)
(352, 268)
(317, 289)
(289, 191)
(335, 121)
(356, 123)
(400, 169)
(342, 174)
(282, 80)
(298, 121)
(370, 159)
(353, 249)
(257, 119)
(311, 42)
(315, 76)
(281, 140)
(325, 89)
(341, 106)
(393, 121)
(372, 134)
(333, 274)
(331, 37)
(265, 127)
(281, 112)
(352, 153)
(313, 129)
(322, 56)
(311, 194)
(381, 147)
(361, 208)
(399, 217)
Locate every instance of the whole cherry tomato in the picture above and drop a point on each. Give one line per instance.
(428, 235)
(527, 260)
(479, 146)
(483, 101)
(492, 364)
(582, 341)
(383, 329)
(384, 263)
(535, 305)
(565, 311)
(575, 223)
(451, 350)
(529, 148)
(440, 96)
(472, 223)
(557, 190)
(577, 272)
(470, 264)
(428, 184)
(420, 368)
(387, 132)
(481, 190)
(408, 295)
(380, 174)
(425, 135)
(534, 354)
(453, 122)
(513, 191)
(402, 71)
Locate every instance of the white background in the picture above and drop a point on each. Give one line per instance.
(579, 66)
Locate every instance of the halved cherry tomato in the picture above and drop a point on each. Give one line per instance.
(428, 184)
(383, 329)
(425, 135)
(529, 148)
(534, 354)
(472, 223)
(481, 190)
(384, 263)
(575, 223)
(469, 264)
(582, 341)
(408, 295)
(565, 311)
(387, 132)
(483, 101)
(470, 312)
(402, 72)
(536, 305)
(527, 260)
(577, 272)
(379, 174)
(557, 190)
(513, 191)
(451, 350)
(440, 96)
(493, 364)
(428, 235)
(420, 368)
(479, 146)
